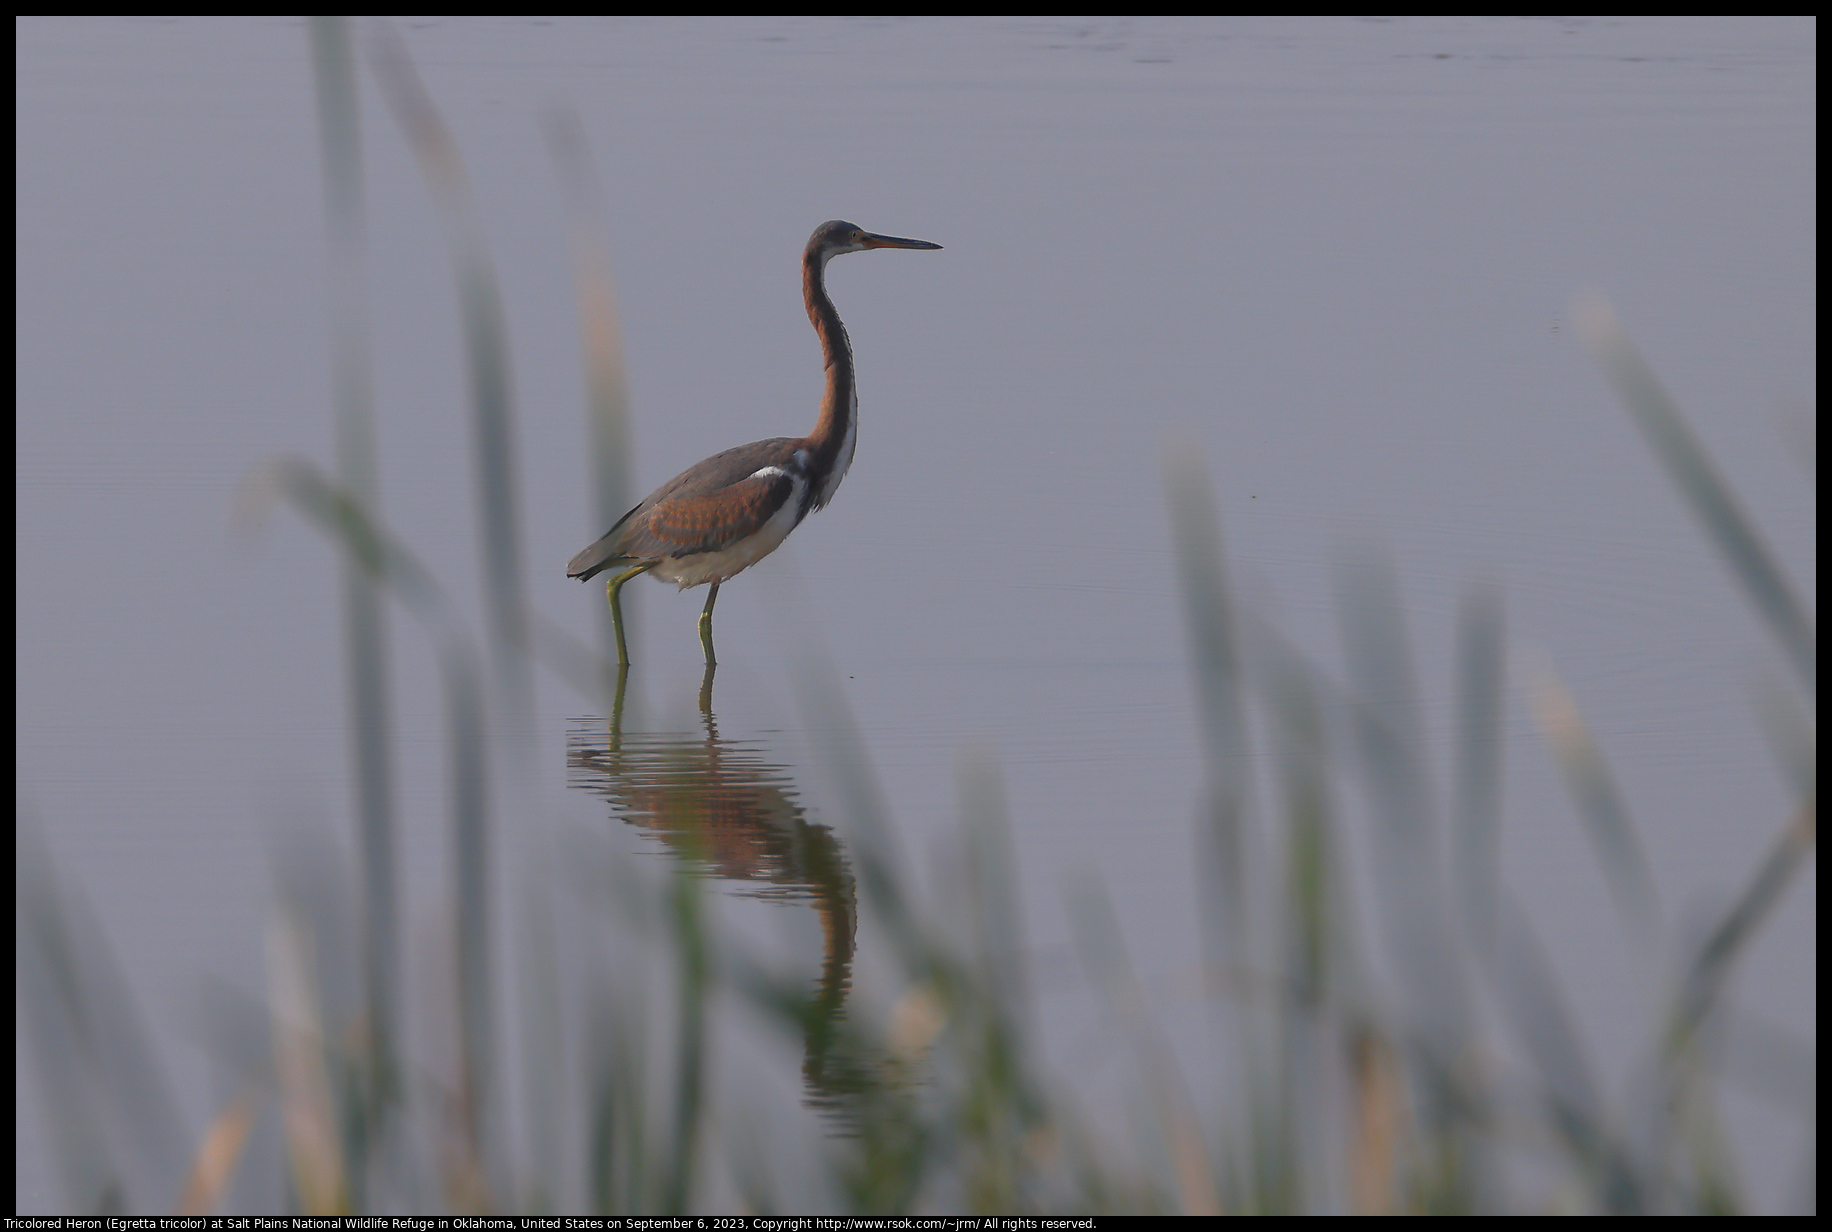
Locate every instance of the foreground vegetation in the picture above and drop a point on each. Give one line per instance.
(553, 1081)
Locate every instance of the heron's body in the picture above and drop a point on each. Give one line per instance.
(723, 515)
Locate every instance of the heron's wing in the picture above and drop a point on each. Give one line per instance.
(683, 516)
(689, 525)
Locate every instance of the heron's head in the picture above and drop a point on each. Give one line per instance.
(830, 239)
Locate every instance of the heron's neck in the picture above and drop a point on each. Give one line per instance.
(837, 430)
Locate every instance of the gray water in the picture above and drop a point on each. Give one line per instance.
(1333, 258)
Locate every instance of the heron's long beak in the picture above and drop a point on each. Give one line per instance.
(891, 241)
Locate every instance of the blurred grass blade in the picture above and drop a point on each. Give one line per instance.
(861, 802)
(1533, 1006)
(115, 1129)
(1298, 1127)
(994, 1143)
(365, 630)
(1390, 732)
(218, 1154)
(1103, 955)
(1599, 801)
(1704, 979)
(52, 1021)
(606, 385)
(487, 356)
(1705, 492)
(307, 1100)
(1316, 903)
(1791, 735)
(693, 970)
(1382, 1130)
(350, 527)
(348, 524)
(1209, 625)
(992, 886)
(1476, 804)
(618, 1169)
(1222, 840)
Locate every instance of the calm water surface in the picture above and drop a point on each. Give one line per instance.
(1331, 259)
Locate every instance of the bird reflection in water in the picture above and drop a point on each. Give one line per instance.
(725, 810)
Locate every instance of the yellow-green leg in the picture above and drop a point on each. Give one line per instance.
(611, 589)
(706, 625)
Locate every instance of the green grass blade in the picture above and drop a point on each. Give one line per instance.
(601, 334)
(365, 628)
(1533, 1007)
(1209, 625)
(1706, 494)
(1475, 832)
(1389, 731)
(1599, 801)
(348, 524)
(486, 349)
(1737, 927)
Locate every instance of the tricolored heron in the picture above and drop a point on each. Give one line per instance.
(719, 517)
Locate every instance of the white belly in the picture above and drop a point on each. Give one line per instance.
(704, 567)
